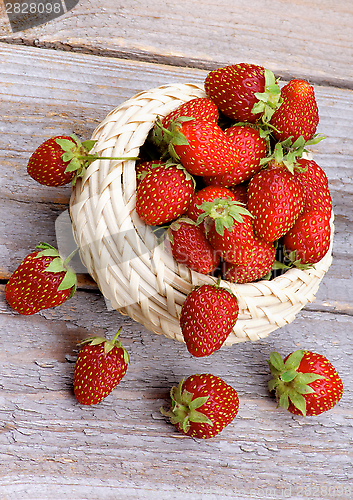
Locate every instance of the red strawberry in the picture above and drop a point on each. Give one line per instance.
(202, 406)
(306, 383)
(298, 114)
(201, 108)
(41, 281)
(208, 315)
(208, 193)
(275, 199)
(309, 238)
(100, 366)
(62, 159)
(202, 147)
(190, 247)
(244, 92)
(315, 183)
(251, 149)
(164, 194)
(228, 227)
(240, 192)
(259, 265)
(143, 167)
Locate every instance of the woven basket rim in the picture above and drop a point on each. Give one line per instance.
(136, 275)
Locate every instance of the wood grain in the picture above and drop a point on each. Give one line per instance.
(308, 39)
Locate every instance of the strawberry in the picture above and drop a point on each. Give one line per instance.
(190, 247)
(306, 383)
(275, 199)
(228, 227)
(298, 114)
(309, 238)
(202, 147)
(62, 159)
(243, 92)
(251, 149)
(202, 406)
(208, 315)
(42, 280)
(260, 264)
(201, 108)
(208, 193)
(100, 366)
(143, 167)
(164, 194)
(240, 192)
(315, 183)
(198, 108)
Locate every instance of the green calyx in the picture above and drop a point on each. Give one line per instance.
(184, 408)
(294, 262)
(78, 155)
(270, 99)
(288, 152)
(167, 138)
(224, 212)
(58, 265)
(108, 344)
(289, 384)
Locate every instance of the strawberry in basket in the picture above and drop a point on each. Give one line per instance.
(298, 114)
(244, 92)
(190, 246)
(164, 194)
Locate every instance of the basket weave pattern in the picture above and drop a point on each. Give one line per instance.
(132, 270)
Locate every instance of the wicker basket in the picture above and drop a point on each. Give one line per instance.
(133, 271)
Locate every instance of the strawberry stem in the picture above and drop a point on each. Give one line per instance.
(97, 157)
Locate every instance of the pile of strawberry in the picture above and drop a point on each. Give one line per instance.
(228, 178)
(226, 175)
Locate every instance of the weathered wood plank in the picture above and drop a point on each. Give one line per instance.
(310, 39)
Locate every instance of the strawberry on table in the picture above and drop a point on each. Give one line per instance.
(275, 199)
(100, 366)
(309, 238)
(189, 246)
(244, 92)
(202, 406)
(305, 383)
(260, 264)
(208, 315)
(202, 147)
(228, 227)
(164, 194)
(42, 280)
(298, 114)
(62, 159)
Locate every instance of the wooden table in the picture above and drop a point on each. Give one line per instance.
(65, 76)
